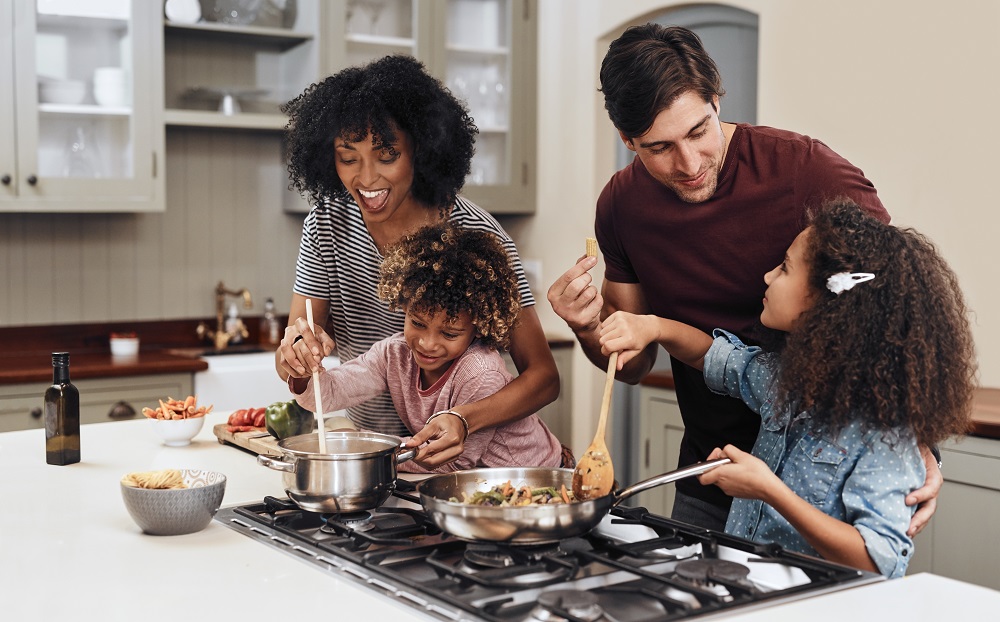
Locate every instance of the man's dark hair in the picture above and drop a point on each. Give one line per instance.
(648, 68)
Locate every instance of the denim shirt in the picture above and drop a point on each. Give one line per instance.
(860, 478)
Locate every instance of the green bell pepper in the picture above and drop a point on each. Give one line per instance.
(284, 419)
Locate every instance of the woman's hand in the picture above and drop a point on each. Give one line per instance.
(746, 477)
(301, 351)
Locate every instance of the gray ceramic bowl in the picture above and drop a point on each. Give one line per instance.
(174, 512)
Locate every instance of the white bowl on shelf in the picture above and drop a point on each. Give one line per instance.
(62, 91)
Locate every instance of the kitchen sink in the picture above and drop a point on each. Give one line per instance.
(244, 379)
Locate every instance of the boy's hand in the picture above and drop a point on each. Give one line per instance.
(439, 442)
(628, 334)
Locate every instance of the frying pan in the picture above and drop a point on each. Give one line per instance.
(529, 524)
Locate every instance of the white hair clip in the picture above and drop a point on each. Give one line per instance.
(843, 281)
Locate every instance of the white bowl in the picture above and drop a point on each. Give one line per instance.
(177, 432)
(62, 91)
(177, 511)
(124, 346)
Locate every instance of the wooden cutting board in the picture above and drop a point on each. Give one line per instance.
(256, 442)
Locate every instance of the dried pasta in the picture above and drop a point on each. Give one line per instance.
(165, 479)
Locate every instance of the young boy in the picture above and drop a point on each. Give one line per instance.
(461, 301)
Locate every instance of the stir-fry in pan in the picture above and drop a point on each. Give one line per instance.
(508, 495)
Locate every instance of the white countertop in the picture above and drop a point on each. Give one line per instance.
(68, 549)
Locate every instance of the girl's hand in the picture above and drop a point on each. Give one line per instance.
(628, 334)
(746, 477)
(301, 352)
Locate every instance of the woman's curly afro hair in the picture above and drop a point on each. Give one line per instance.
(896, 351)
(394, 93)
(450, 269)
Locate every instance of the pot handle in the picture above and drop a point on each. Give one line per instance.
(277, 465)
(671, 476)
(403, 454)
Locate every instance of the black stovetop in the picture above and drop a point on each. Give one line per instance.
(634, 566)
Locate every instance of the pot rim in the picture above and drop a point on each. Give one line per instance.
(391, 443)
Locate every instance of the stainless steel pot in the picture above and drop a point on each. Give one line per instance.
(358, 471)
(531, 524)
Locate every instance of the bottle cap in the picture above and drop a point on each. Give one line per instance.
(60, 359)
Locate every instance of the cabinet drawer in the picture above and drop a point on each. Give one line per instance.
(21, 405)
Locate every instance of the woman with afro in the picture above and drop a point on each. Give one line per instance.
(461, 302)
(382, 150)
(877, 360)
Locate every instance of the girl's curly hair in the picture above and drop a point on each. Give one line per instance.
(896, 351)
(394, 93)
(451, 269)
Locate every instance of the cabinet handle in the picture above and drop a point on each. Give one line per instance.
(32, 180)
(647, 453)
(36, 413)
(6, 180)
(121, 410)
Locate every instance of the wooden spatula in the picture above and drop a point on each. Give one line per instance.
(594, 475)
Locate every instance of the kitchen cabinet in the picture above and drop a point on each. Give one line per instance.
(79, 127)
(231, 76)
(21, 404)
(485, 51)
(660, 429)
(962, 540)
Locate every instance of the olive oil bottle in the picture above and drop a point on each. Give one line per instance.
(62, 415)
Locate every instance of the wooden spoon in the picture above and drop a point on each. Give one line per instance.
(320, 422)
(594, 475)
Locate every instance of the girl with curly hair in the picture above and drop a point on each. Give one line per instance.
(461, 302)
(382, 150)
(877, 360)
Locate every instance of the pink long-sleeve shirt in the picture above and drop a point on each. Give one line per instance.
(479, 372)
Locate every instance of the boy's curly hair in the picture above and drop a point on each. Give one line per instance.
(385, 96)
(896, 351)
(450, 269)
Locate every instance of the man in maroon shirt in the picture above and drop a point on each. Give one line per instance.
(689, 228)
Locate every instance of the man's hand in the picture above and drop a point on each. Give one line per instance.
(575, 298)
(925, 496)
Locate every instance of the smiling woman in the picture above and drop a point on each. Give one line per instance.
(383, 150)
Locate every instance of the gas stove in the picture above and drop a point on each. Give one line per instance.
(634, 566)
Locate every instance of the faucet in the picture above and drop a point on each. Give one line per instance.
(220, 336)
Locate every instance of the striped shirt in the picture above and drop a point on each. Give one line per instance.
(339, 263)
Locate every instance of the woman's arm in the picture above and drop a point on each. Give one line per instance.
(535, 387)
(749, 477)
(629, 334)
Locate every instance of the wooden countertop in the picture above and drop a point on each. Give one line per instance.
(985, 409)
(37, 367)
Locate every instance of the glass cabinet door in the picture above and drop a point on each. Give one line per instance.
(375, 28)
(84, 105)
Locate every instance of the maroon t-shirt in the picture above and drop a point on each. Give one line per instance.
(704, 263)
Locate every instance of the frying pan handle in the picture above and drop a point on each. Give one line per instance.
(672, 476)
